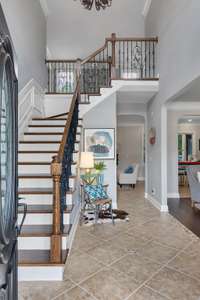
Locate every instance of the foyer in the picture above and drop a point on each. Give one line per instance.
(87, 123)
(152, 256)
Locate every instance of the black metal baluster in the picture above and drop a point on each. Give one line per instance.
(141, 67)
(127, 59)
(119, 59)
(131, 56)
(123, 56)
(149, 59)
(154, 60)
(145, 59)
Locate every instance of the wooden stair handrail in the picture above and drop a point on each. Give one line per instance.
(90, 57)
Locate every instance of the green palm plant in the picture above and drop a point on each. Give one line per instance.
(100, 166)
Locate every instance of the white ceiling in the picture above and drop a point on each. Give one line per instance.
(191, 93)
(74, 32)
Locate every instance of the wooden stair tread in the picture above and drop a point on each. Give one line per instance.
(46, 133)
(40, 151)
(43, 142)
(43, 209)
(49, 126)
(44, 163)
(40, 175)
(37, 152)
(41, 230)
(38, 258)
(53, 119)
(39, 191)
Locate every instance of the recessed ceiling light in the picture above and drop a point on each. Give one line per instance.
(189, 120)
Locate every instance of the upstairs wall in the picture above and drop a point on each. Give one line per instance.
(73, 32)
(27, 26)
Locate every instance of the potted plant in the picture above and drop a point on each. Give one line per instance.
(99, 168)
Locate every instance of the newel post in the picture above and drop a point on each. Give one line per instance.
(56, 238)
(113, 41)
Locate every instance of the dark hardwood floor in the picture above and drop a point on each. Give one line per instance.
(181, 209)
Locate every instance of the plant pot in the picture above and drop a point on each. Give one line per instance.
(100, 179)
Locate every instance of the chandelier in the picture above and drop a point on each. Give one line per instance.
(99, 4)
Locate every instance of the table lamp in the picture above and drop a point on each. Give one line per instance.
(87, 161)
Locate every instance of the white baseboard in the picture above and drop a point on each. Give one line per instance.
(74, 228)
(141, 179)
(173, 195)
(156, 204)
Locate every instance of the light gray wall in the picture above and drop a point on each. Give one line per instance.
(130, 146)
(75, 32)
(104, 116)
(177, 23)
(27, 26)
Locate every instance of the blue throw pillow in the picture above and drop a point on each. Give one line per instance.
(95, 192)
(129, 170)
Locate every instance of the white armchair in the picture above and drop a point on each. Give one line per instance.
(131, 178)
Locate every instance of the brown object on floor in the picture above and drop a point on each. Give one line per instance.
(119, 214)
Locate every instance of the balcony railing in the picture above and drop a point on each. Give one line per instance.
(118, 59)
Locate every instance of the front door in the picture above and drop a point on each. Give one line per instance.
(8, 182)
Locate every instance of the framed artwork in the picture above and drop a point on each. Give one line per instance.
(101, 142)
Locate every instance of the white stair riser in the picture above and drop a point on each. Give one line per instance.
(39, 147)
(49, 129)
(38, 243)
(39, 169)
(42, 199)
(48, 122)
(46, 273)
(40, 183)
(38, 137)
(42, 219)
(42, 147)
(51, 122)
(46, 157)
(34, 169)
(46, 129)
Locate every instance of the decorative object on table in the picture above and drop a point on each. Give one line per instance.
(89, 178)
(105, 217)
(100, 167)
(101, 142)
(152, 136)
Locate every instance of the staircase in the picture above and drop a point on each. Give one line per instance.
(48, 158)
(36, 149)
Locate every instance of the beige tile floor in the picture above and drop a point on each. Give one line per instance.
(151, 257)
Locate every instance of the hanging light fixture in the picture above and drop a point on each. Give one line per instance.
(99, 4)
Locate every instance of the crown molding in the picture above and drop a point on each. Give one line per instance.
(45, 7)
(146, 8)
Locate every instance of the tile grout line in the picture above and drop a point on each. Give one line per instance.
(154, 274)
